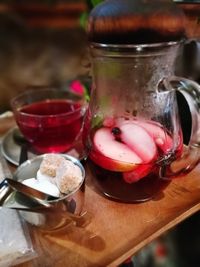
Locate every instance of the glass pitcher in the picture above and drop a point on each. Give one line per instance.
(132, 130)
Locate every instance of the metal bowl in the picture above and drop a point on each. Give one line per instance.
(65, 210)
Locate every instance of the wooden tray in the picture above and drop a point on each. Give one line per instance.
(116, 230)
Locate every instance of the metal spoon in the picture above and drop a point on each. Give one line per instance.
(19, 137)
(14, 194)
(23, 143)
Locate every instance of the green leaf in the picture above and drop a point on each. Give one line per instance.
(83, 19)
(97, 121)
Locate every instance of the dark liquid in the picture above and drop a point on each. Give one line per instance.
(51, 133)
(113, 185)
(113, 158)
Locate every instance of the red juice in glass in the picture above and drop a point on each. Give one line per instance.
(125, 157)
(50, 119)
(50, 130)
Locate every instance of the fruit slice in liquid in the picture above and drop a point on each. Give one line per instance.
(125, 166)
(111, 154)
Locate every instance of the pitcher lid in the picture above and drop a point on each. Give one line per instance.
(136, 22)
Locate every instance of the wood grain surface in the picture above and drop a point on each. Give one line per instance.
(114, 231)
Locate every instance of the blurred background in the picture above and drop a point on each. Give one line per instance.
(44, 43)
(41, 43)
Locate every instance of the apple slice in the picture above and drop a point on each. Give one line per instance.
(111, 154)
(139, 141)
(161, 138)
(111, 164)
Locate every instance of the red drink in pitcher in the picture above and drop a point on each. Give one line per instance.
(126, 156)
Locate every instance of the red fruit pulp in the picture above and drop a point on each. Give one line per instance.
(52, 125)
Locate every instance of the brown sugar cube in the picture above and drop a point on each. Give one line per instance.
(50, 164)
(68, 176)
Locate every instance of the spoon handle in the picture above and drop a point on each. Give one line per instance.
(23, 154)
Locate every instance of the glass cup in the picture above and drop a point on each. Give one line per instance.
(50, 119)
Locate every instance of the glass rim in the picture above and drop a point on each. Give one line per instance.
(16, 109)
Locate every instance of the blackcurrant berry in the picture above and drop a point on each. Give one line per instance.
(116, 131)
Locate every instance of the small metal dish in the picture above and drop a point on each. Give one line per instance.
(62, 211)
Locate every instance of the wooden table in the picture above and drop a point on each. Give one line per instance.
(116, 230)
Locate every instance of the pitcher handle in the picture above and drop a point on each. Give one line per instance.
(191, 154)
